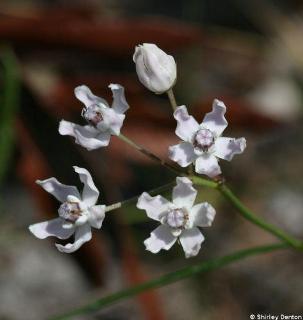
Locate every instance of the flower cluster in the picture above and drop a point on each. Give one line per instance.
(201, 145)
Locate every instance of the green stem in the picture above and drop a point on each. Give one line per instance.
(133, 199)
(171, 278)
(248, 214)
(172, 99)
(204, 182)
(149, 154)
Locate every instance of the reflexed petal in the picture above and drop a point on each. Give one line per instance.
(207, 164)
(215, 120)
(202, 215)
(58, 190)
(191, 240)
(119, 104)
(226, 148)
(155, 207)
(160, 238)
(184, 194)
(112, 121)
(50, 228)
(182, 153)
(97, 215)
(87, 136)
(91, 143)
(84, 94)
(82, 235)
(187, 126)
(90, 193)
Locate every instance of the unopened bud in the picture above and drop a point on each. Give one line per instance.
(156, 70)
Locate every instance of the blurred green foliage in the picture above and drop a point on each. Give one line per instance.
(9, 100)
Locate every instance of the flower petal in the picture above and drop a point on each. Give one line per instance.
(215, 120)
(182, 153)
(187, 126)
(82, 235)
(226, 148)
(112, 121)
(184, 194)
(202, 215)
(191, 240)
(92, 143)
(90, 193)
(207, 164)
(97, 215)
(155, 207)
(87, 136)
(84, 94)
(50, 228)
(160, 238)
(119, 104)
(58, 190)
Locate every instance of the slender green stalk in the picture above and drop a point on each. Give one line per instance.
(172, 277)
(172, 99)
(134, 199)
(248, 214)
(204, 182)
(149, 154)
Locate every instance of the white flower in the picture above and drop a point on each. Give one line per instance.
(202, 143)
(77, 213)
(179, 219)
(156, 70)
(103, 121)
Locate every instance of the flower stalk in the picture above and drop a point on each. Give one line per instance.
(172, 99)
(149, 154)
(172, 277)
(129, 201)
(248, 214)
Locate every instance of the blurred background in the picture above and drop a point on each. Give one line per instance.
(247, 53)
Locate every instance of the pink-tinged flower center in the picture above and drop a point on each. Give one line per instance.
(92, 114)
(176, 218)
(70, 211)
(204, 139)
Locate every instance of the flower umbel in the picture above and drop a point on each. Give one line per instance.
(103, 120)
(156, 70)
(179, 219)
(202, 143)
(77, 213)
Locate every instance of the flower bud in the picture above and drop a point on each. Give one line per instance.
(156, 70)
